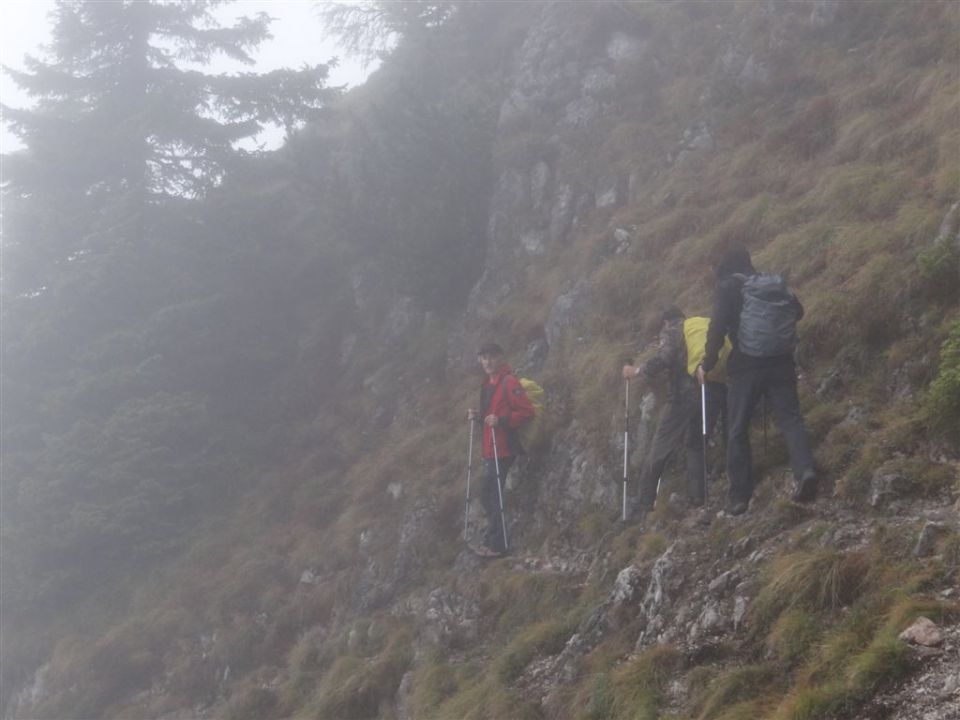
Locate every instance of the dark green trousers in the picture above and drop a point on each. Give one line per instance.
(680, 427)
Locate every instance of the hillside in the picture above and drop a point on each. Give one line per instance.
(234, 470)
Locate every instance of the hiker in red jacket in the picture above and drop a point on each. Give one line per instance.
(504, 408)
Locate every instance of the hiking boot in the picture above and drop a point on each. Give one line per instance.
(806, 491)
(737, 507)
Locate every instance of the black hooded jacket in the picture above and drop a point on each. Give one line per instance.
(725, 318)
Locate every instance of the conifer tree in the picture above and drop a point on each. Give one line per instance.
(121, 126)
(105, 267)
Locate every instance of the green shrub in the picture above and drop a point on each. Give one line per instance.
(940, 271)
(943, 396)
(601, 703)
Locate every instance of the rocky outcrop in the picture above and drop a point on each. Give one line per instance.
(563, 82)
(933, 690)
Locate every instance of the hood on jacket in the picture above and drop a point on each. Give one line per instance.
(735, 260)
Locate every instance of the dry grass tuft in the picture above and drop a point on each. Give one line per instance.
(819, 581)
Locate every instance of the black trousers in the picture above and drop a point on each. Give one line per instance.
(778, 384)
(680, 426)
(490, 499)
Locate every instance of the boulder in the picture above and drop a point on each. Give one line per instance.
(886, 486)
(561, 214)
(739, 611)
(927, 539)
(627, 584)
(923, 632)
(621, 239)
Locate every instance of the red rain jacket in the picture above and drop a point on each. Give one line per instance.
(509, 402)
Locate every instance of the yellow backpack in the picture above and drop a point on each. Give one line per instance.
(695, 335)
(530, 434)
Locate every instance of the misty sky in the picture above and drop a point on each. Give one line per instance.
(24, 27)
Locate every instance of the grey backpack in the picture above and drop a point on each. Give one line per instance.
(768, 320)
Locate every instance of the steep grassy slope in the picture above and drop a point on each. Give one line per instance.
(339, 587)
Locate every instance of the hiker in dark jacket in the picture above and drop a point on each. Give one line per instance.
(679, 422)
(750, 377)
(505, 407)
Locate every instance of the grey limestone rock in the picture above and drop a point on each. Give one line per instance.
(533, 242)
(561, 213)
(886, 486)
(487, 294)
(927, 539)
(923, 632)
(625, 48)
(753, 73)
(627, 584)
(696, 137)
(402, 317)
(539, 184)
(709, 622)
(404, 697)
(739, 611)
(950, 224)
(581, 111)
(346, 349)
(725, 582)
(533, 357)
(609, 191)
(824, 13)
(599, 83)
(621, 238)
(565, 310)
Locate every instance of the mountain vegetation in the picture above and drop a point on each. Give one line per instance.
(234, 384)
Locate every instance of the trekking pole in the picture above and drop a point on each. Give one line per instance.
(496, 462)
(626, 446)
(703, 412)
(466, 513)
(764, 414)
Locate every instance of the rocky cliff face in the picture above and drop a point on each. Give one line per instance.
(569, 85)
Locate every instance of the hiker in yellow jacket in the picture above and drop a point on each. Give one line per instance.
(679, 424)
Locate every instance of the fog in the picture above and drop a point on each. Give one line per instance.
(297, 40)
